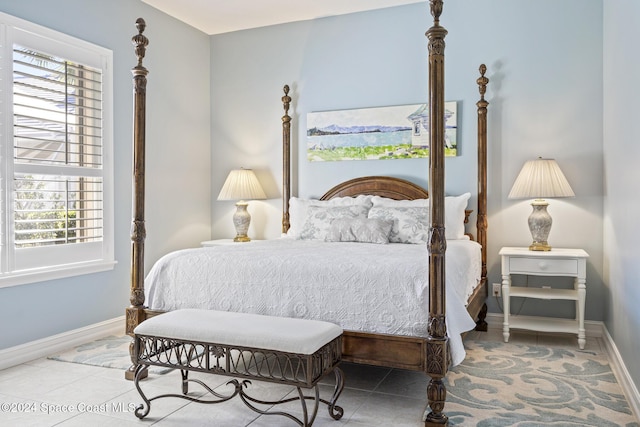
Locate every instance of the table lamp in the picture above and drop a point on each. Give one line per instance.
(241, 185)
(540, 179)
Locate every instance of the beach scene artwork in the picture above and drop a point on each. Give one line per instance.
(381, 133)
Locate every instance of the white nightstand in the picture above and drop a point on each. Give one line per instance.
(221, 242)
(557, 262)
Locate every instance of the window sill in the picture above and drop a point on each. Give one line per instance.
(61, 272)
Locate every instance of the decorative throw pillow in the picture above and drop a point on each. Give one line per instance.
(319, 218)
(363, 230)
(454, 212)
(410, 224)
(298, 209)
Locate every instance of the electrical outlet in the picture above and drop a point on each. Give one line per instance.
(497, 290)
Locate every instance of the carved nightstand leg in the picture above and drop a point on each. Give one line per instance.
(582, 293)
(506, 287)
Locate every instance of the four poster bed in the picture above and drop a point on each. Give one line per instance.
(426, 340)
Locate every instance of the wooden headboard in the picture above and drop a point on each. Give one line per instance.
(383, 186)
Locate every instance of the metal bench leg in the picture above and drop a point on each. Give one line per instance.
(141, 412)
(249, 402)
(140, 373)
(336, 411)
(306, 421)
(185, 381)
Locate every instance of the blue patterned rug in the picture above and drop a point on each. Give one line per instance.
(109, 352)
(504, 384)
(497, 385)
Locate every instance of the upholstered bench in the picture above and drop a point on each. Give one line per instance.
(289, 351)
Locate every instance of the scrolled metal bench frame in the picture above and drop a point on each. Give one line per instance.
(246, 363)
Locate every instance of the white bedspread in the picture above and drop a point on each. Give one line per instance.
(359, 286)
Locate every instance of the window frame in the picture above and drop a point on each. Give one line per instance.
(57, 265)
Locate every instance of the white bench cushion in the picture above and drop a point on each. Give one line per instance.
(286, 334)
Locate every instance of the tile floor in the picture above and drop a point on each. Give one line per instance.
(48, 393)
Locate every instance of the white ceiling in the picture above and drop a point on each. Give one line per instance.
(223, 16)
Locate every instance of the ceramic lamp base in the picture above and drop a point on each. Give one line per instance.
(241, 220)
(540, 225)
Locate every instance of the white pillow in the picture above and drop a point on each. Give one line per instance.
(298, 209)
(454, 212)
(363, 230)
(319, 218)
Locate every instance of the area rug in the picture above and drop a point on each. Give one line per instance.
(504, 384)
(108, 352)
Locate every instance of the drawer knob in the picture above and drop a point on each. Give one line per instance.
(543, 265)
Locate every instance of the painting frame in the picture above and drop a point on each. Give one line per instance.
(377, 133)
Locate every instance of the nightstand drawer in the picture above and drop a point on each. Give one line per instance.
(567, 267)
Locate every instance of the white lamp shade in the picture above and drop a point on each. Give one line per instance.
(541, 178)
(241, 184)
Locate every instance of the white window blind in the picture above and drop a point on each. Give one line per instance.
(57, 110)
(56, 168)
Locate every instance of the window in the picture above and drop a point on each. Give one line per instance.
(56, 172)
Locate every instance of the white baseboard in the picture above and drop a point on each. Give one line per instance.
(595, 329)
(46, 346)
(622, 374)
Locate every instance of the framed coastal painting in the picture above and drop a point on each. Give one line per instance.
(382, 133)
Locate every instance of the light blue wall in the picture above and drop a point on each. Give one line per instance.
(177, 162)
(545, 95)
(622, 178)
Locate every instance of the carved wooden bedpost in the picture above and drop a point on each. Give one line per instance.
(481, 218)
(286, 159)
(481, 224)
(135, 312)
(437, 342)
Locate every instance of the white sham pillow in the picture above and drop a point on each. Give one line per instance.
(298, 209)
(319, 219)
(363, 230)
(392, 203)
